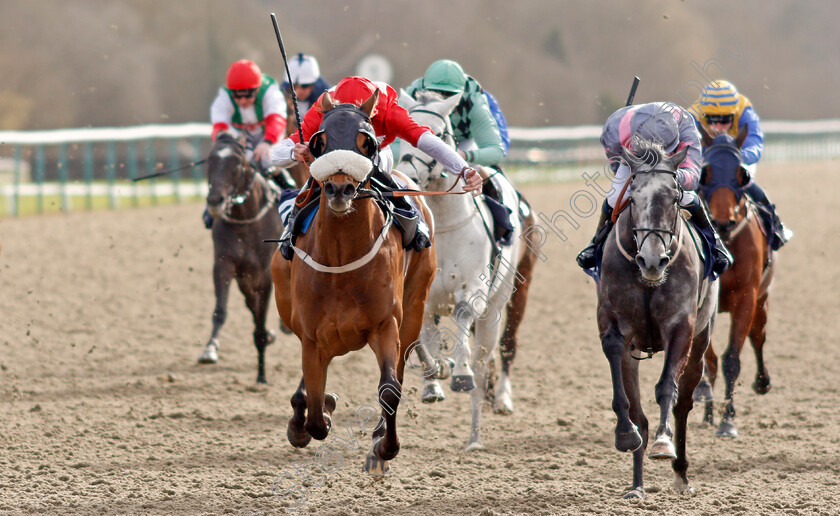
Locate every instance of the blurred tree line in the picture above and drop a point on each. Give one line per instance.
(549, 62)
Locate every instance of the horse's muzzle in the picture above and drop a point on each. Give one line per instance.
(339, 196)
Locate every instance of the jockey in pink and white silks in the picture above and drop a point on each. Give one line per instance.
(673, 127)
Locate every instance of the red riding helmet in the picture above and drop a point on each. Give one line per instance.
(244, 75)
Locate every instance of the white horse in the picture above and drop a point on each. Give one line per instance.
(474, 283)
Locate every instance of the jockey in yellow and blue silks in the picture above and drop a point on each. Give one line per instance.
(721, 109)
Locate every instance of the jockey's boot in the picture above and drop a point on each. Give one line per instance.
(502, 225)
(700, 218)
(777, 233)
(285, 243)
(207, 218)
(586, 258)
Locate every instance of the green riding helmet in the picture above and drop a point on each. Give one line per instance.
(445, 75)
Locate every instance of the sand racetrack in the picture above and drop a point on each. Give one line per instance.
(104, 410)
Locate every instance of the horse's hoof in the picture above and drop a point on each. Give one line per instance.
(270, 336)
(628, 441)
(462, 383)
(761, 385)
(319, 432)
(635, 494)
(726, 429)
(296, 438)
(474, 445)
(703, 392)
(504, 408)
(285, 329)
(681, 486)
(330, 401)
(210, 354)
(663, 449)
(432, 393)
(373, 464)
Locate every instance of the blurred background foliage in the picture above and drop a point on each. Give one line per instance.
(549, 62)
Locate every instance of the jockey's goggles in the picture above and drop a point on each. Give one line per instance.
(305, 85)
(720, 119)
(244, 94)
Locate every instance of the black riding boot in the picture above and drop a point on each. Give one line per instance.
(776, 231)
(586, 258)
(207, 218)
(700, 218)
(288, 229)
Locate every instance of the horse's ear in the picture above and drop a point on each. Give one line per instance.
(406, 100)
(704, 135)
(676, 160)
(327, 102)
(705, 174)
(450, 103)
(742, 136)
(370, 103)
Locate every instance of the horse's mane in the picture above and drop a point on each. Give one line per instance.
(426, 96)
(649, 153)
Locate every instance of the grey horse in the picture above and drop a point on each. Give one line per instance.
(653, 297)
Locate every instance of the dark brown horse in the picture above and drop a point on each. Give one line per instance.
(653, 297)
(243, 206)
(350, 284)
(744, 288)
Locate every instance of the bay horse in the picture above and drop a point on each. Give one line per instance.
(745, 287)
(243, 205)
(653, 297)
(476, 280)
(350, 282)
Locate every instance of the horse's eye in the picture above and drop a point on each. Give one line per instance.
(317, 144)
(365, 144)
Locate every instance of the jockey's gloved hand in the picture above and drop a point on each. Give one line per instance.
(473, 180)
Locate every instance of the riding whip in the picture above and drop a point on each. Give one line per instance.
(629, 97)
(158, 174)
(289, 75)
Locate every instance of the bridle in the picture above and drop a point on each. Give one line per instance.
(243, 189)
(658, 232)
(445, 135)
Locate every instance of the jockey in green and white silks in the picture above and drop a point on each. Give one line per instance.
(252, 104)
(476, 131)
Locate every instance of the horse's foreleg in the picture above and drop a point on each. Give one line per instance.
(222, 276)
(627, 437)
(742, 316)
(678, 343)
(257, 300)
(630, 377)
(433, 368)
(503, 402)
(486, 335)
(462, 373)
(758, 335)
(318, 423)
(385, 345)
(296, 432)
(691, 374)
